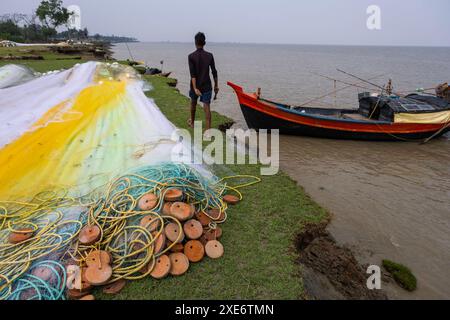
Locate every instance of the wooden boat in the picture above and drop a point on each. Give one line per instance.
(379, 118)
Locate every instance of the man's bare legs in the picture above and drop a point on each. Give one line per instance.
(191, 121)
(207, 108)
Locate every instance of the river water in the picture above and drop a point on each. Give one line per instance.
(388, 199)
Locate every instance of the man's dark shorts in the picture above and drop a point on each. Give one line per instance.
(205, 97)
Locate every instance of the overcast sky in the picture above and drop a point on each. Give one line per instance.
(403, 22)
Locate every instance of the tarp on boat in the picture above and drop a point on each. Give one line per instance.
(404, 109)
(432, 118)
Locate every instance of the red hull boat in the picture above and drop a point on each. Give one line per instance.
(380, 121)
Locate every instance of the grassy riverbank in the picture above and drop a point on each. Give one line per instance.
(260, 256)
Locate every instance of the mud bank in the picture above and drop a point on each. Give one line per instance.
(329, 270)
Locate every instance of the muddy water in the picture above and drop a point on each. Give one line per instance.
(389, 200)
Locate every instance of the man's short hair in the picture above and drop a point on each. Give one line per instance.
(200, 39)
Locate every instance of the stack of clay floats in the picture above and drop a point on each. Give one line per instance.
(187, 236)
(198, 237)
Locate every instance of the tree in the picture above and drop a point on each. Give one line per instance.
(52, 14)
(9, 30)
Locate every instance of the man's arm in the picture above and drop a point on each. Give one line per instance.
(193, 76)
(215, 75)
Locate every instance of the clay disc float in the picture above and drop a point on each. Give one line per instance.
(148, 202)
(98, 257)
(85, 285)
(216, 215)
(162, 267)
(173, 195)
(214, 249)
(173, 232)
(193, 229)
(179, 264)
(145, 269)
(20, 236)
(192, 211)
(180, 211)
(230, 199)
(166, 208)
(76, 294)
(43, 273)
(160, 243)
(213, 234)
(99, 276)
(115, 288)
(203, 219)
(203, 240)
(194, 251)
(99, 270)
(177, 247)
(151, 223)
(89, 235)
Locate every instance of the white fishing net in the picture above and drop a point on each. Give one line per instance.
(13, 75)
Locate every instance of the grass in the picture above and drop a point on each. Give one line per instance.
(260, 256)
(402, 275)
(52, 61)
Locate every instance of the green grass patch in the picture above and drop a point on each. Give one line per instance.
(402, 275)
(52, 60)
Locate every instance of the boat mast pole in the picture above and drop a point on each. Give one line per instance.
(335, 93)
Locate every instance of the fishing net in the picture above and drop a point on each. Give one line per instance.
(12, 75)
(82, 150)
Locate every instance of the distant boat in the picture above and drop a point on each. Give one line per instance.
(379, 117)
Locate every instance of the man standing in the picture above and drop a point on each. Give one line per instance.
(200, 62)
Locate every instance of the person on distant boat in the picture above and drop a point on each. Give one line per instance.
(200, 64)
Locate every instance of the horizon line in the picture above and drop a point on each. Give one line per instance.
(297, 44)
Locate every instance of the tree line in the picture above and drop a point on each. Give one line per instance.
(43, 25)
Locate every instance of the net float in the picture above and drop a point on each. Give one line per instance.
(173, 195)
(214, 249)
(180, 211)
(193, 229)
(148, 202)
(89, 235)
(115, 287)
(151, 223)
(20, 235)
(213, 234)
(231, 199)
(99, 270)
(174, 233)
(203, 219)
(166, 208)
(179, 264)
(162, 267)
(194, 251)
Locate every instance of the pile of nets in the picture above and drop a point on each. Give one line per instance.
(152, 222)
(70, 219)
